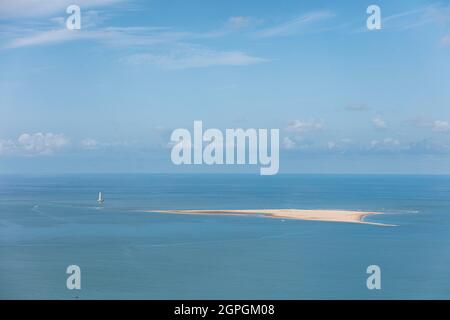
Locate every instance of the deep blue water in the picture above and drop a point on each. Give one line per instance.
(50, 222)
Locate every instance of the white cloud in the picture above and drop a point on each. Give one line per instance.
(195, 57)
(300, 127)
(6, 146)
(379, 123)
(89, 143)
(34, 144)
(289, 144)
(296, 25)
(339, 145)
(373, 146)
(428, 146)
(435, 125)
(35, 8)
(385, 143)
(440, 126)
(331, 145)
(39, 143)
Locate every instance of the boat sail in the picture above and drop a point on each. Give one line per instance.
(100, 198)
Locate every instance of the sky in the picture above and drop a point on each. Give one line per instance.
(106, 98)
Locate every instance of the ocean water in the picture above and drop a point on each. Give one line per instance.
(50, 222)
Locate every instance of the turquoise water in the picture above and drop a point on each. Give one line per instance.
(50, 222)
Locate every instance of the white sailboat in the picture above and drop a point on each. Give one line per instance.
(100, 198)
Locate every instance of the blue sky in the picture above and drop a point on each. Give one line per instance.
(105, 98)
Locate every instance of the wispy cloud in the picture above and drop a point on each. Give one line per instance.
(195, 57)
(54, 31)
(46, 37)
(414, 18)
(164, 47)
(240, 22)
(303, 126)
(11, 9)
(406, 19)
(433, 13)
(296, 25)
(112, 36)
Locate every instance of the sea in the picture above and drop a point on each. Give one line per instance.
(48, 223)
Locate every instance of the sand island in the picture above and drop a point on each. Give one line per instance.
(296, 214)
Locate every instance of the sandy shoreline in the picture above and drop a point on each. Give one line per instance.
(297, 214)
